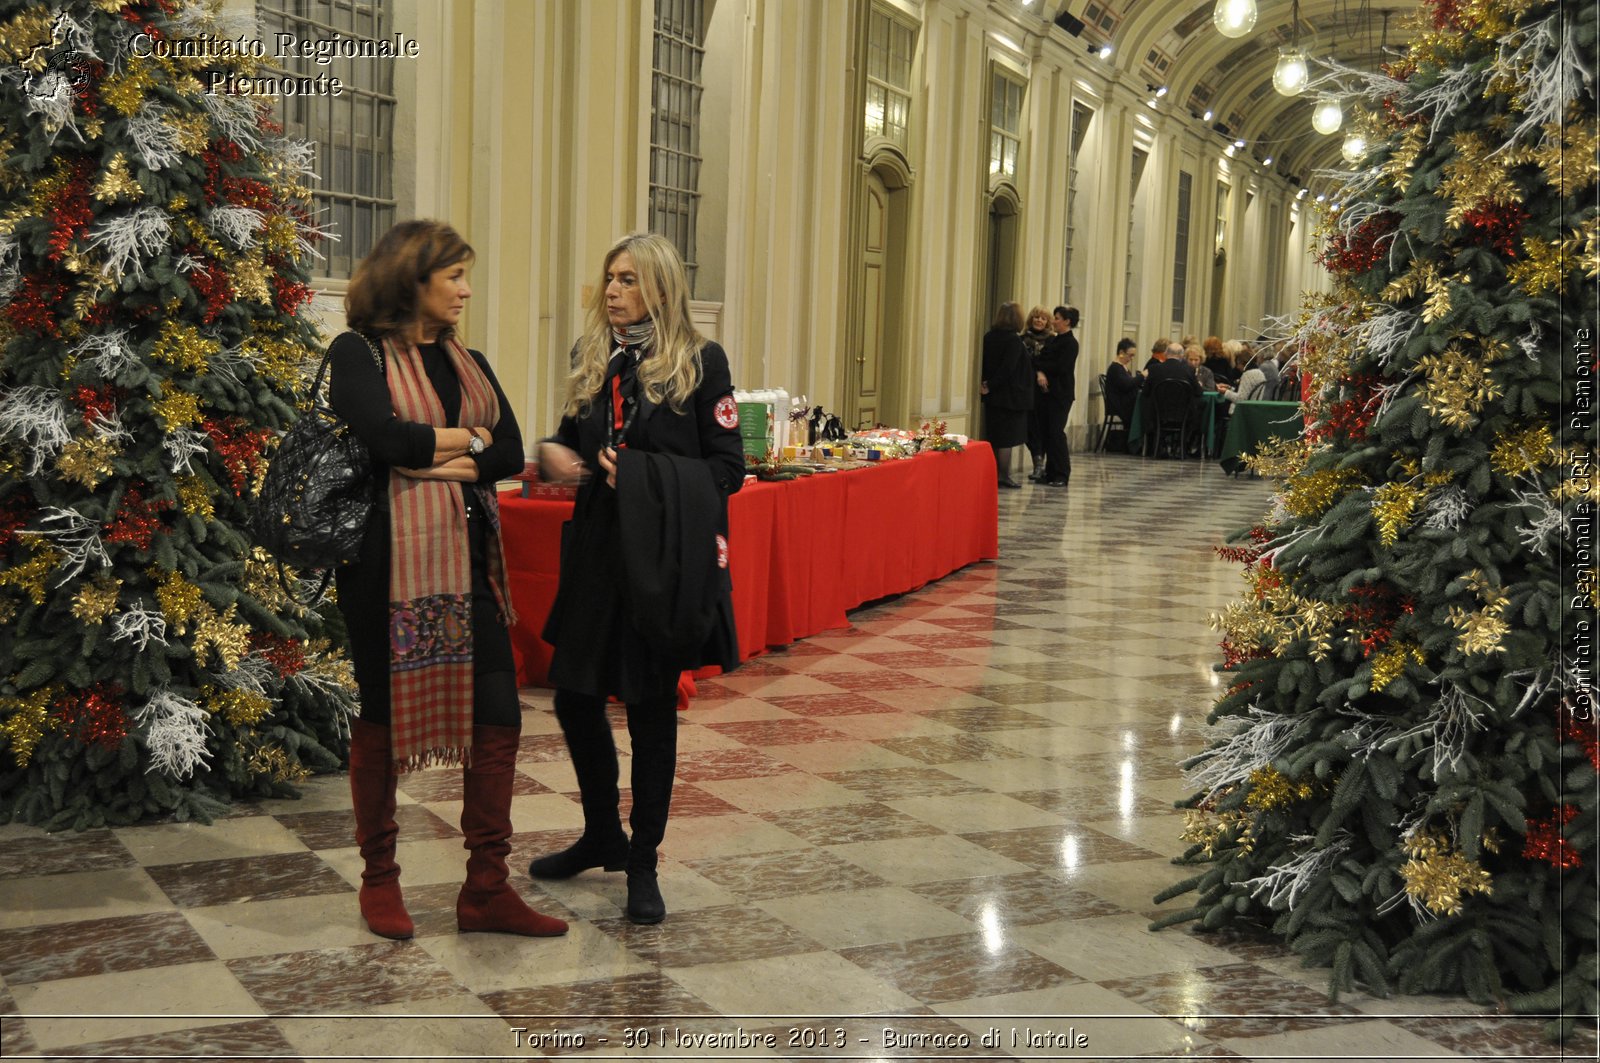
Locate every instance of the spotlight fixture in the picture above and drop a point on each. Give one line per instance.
(1321, 197)
(1105, 51)
(1208, 116)
(1162, 91)
(1238, 143)
(1267, 161)
(1355, 147)
(1327, 116)
(1300, 194)
(1234, 18)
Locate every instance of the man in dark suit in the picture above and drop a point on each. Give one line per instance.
(1057, 367)
(1171, 367)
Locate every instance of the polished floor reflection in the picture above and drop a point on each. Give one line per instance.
(935, 833)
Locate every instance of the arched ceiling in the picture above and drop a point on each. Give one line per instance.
(1173, 43)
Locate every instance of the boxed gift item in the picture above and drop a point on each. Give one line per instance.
(763, 421)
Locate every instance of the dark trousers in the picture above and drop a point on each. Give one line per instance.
(653, 730)
(1057, 458)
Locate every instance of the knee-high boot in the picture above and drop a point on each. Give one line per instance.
(594, 760)
(372, 782)
(487, 902)
(653, 729)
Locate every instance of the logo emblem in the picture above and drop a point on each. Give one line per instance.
(722, 552)
(727, 412)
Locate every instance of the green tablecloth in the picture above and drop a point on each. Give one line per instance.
(1253, 423)
(1136, 427)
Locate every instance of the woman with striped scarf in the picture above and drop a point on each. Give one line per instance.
(426, 602)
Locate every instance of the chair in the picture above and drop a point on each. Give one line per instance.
(1171, 404)
(1112, 421)
(1288, 388)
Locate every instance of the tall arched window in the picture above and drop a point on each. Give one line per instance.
(353, 132)
(676, 90)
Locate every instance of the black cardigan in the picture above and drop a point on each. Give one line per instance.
(359, 394)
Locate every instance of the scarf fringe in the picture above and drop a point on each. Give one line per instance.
(442, 757)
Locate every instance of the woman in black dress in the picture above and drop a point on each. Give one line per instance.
(651, 430)
(1007, 388)
(426, 603)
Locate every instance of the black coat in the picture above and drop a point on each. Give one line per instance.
(1059, 364)
(598, 648)
(1172, 369)
(1122, 391)
(1007, 370)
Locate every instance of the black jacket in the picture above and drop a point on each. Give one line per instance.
(1059, 364)
(1122, 391)
(1007, 370)
(599, 649)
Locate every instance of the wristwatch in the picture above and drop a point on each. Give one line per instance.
(475, 444)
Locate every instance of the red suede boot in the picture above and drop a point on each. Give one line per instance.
(487, 902)
(372, 780)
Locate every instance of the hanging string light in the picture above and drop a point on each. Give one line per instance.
(1355, 147)
(1328, 116)
(1292, 73)
(1234, 18)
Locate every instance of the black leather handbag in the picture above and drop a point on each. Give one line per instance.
(317, 497)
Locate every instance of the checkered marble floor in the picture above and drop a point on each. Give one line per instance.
(946, 821)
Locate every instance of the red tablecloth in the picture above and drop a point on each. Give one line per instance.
(802, 552)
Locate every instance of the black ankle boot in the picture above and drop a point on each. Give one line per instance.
(585, 853)
(645, 905)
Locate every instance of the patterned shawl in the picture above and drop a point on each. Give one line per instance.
(430, 573)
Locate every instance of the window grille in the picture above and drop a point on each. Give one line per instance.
(890, 43)
(1180, 251)
(676, 91)
(1081, 117)
(353, 132)
(1005, 125)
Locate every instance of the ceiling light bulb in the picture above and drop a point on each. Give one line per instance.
(1162, 91)
(1327, 116)
(1234, 18)
(1238, 143)
(1291, 74)
(1355, 147)
(1267, 161)
(1105, 51)
(1208, 116)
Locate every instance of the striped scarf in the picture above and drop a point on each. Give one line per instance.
(430, 573)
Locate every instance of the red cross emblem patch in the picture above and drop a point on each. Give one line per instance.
(727, 412)
(722, 552)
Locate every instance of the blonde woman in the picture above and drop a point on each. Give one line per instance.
(649, 404)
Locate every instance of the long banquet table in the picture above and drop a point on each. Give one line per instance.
(802, 552)
(1254, 422)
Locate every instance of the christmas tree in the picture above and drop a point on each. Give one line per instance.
(154, 247)
(1405, 787)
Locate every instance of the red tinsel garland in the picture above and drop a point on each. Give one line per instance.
(240, 449)
(1350, 417)
(136, 520)
(14, 513)
(36, 306)
(97, 404)
(211, 284)
(1360, 249)
(70, 211)
(287, 655)
(1374, 613)
(1496, 225)
(1545, 842)
(94, 716)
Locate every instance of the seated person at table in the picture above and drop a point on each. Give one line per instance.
(1173, 367)
(1158, 353)
(1195, 356)
(1217, 361)
(1122, 384)
(1252, 386)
